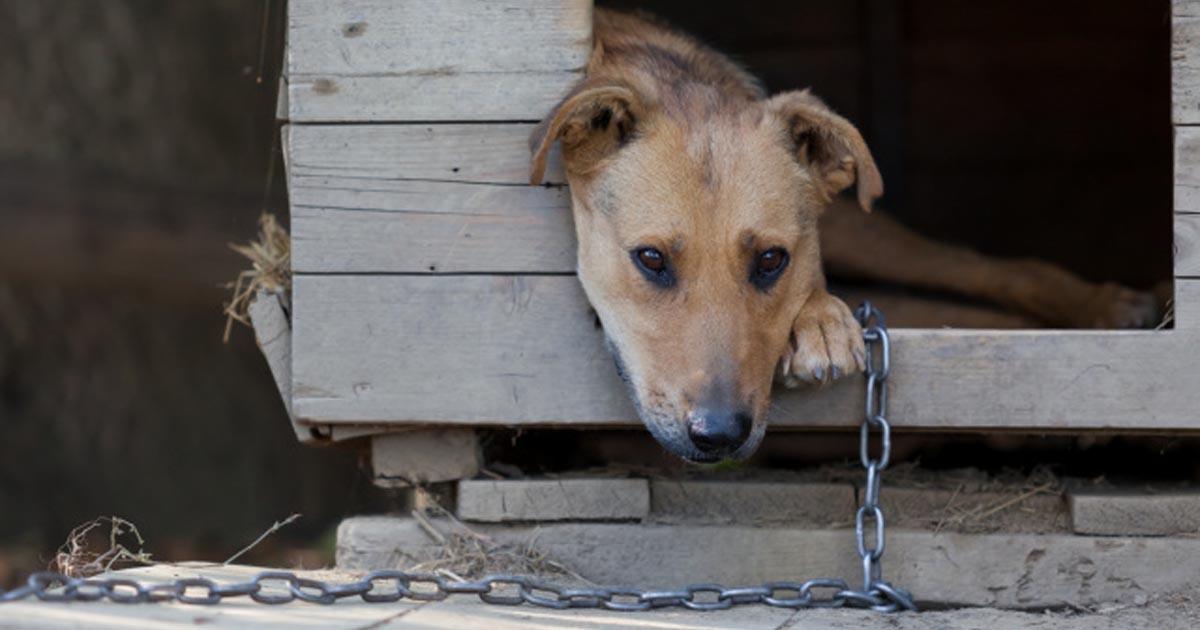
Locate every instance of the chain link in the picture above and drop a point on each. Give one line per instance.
(512, 590)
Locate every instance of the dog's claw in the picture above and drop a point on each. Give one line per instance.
(827, 342)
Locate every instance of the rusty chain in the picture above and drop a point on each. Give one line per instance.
(511, 590)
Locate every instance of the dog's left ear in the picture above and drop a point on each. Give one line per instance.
(593, 121)
(828, 145)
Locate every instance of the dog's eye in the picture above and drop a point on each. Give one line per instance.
(653, 264)
(651, 259)
(768, 267)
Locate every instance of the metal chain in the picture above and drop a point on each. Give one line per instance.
(513, 590)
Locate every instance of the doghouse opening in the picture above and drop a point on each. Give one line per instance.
(1018, 129)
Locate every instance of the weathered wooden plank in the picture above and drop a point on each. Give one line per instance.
(1187, 303)
(513, 96)
(433, 59)
(342, 224)
(518, 350)
(449, 152)
(707, 501)
(1185, 62)
(388, 37)
(1187, 169)
(273, 333)
(424, 455)
(1124, 513)
(517, 500)
(1187, 245)
(1012, 570)
(420, 198)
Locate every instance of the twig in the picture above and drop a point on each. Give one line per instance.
(432, 531)
(274, 528)
(1011, 502)
(946, 509)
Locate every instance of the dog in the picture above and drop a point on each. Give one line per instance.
(706, 213)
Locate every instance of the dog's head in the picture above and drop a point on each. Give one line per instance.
(697, 225)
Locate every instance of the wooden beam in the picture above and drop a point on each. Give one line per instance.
(523, 350)
(1187, 245)
(480, 153)
(1187, 303)
(398, 60)
(1187, 170)
(424, 198)
(1185, 62)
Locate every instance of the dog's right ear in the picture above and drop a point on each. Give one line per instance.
(593, 121)
(828, 145)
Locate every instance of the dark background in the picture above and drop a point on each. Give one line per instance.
(1018, 127)
(136, 142)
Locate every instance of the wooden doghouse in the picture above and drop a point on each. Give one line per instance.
(434, 287)
(434, 296)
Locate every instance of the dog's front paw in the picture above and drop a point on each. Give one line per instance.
(826, 343)
(1114, 306)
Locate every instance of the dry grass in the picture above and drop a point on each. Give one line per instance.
(464, 553)
(75, 558)
(270, 256)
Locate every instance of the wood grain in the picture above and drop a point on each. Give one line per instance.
(517, 350)
(450, 152)
(1187, 170)
(1187, 245)
(399, 60)
(424, 198)
(1187, 303)
(1185, 62)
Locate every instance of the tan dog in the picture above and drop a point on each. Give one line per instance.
(697, 201)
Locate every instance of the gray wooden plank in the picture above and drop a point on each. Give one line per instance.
(1185, 62)
(343, 224)
(1186, 304)
(420, 198)
(516, 500)
(420, 456)
(1187, 245)
(750, 501)
(1124, 513)
(273, 333)
(523, 350)
(1021, 570)
(433, 59)
(515, 96)
(387, 37)
(449, 152)
(1187, 169)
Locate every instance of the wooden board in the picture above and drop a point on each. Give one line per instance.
(1185, 62)
(399, 60)
(1187, 170)
(343, 225)
(1187, 303)
(1187, 245)
(424, 198)
(523, 350)
(491, 153)
(1014, 570)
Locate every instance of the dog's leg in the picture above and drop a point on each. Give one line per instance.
(826, 343)
(876, 247)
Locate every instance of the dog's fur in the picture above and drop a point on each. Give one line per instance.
(669, 145)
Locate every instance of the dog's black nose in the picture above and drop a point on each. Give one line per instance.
(718, 431)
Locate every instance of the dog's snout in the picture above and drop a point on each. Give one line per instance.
(718, 432)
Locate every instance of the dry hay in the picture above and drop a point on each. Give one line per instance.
(75, 558)
(464, 554)
(270, 256)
